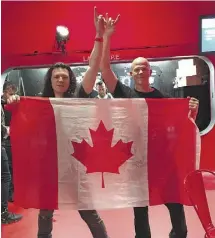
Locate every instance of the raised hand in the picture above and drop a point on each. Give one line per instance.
(110, 25)
(193, 107)
(193, 104)
(99, 23)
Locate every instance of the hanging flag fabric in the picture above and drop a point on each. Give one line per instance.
(102, 154)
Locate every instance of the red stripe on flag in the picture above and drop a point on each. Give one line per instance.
(35, 154)
(171, 150)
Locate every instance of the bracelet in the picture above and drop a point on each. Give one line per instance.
(99, 39)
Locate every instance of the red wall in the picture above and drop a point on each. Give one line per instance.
(30, 26)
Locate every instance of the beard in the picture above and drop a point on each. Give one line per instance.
(102, 95)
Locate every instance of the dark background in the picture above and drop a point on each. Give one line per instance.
(30, 82)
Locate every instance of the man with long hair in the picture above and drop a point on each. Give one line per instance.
(60, 82)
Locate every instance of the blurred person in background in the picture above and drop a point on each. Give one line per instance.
(9, 89)
(6, 216)
(102, 91)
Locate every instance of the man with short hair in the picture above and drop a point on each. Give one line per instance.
(140, 72)
(102, 91)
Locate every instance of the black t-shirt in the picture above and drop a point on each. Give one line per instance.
(123, 91)
(80, 92)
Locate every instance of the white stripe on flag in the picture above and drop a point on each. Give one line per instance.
(129, 119)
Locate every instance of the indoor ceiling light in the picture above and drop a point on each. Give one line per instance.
(62, 36)
(62, 33)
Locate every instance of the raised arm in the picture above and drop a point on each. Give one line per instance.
(95, 57)
(107, 74)
(194, 107)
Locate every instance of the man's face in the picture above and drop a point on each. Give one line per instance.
(60, 80)
(9, 92)
(141, 71)
(101, 89)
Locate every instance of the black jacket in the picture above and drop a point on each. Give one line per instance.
(3, 127)
(7, 114)
(5, 122)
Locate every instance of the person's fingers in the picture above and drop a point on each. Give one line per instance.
(106, 17)
(117, 19)
(95, 13)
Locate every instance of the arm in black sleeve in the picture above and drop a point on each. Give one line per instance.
(122, 91)
(80, 92)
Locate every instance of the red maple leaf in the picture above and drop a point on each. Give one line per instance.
(102, 157)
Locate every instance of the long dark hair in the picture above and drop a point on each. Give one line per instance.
(48, 90)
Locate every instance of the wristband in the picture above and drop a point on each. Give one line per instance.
(99, 39)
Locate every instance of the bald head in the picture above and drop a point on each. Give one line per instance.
(140, 71)
(139, 61)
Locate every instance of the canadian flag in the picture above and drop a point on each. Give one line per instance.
(102, 154)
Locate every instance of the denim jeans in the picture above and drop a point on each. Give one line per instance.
(5, 179)
(91, 217)
(177, 216)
